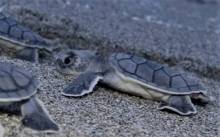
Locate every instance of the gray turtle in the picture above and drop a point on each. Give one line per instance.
(29, 45)
(17, 96)
(131, 74)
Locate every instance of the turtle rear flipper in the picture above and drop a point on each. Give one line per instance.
(36, 117)
(29, 54)
(179, 104)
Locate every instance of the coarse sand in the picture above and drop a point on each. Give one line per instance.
(107, 113)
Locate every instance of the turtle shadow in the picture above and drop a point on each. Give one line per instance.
(11, 109)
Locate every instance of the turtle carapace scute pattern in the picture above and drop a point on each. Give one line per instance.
(12, 30)
(16, 84)
(154, 74)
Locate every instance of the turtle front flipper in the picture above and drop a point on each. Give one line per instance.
(179, 104)
(36, 117)
(82, 85)
(29, 54)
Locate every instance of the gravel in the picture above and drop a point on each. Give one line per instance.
(107, 113)
(2, 131)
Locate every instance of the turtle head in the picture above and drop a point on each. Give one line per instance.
(73, 61)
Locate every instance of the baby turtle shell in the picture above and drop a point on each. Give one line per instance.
(12, 31)
(29, 45)
(15, 83)
(155, 75)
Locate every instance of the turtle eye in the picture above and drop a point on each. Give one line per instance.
(67, 60)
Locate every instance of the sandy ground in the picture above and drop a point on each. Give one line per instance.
(107, 113)
(2, 131)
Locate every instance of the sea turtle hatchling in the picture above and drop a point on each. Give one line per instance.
(28, 45)
(131, 74)
(17, 96)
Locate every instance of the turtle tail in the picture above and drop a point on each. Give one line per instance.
(202, 99)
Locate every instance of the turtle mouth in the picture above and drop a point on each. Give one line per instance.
(65, 70)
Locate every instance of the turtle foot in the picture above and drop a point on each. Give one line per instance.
(179, 104)
(36, 117)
